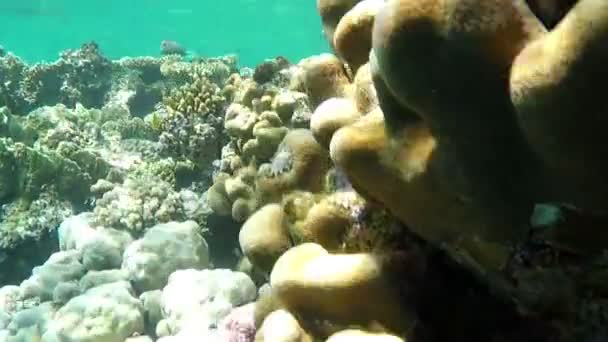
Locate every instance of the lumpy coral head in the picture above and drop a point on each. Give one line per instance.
(484, 113)
(451, 161)
(282, 326)
(351, 288)
(331, 11)
(331, 115)
(352, 37)
(323, 77)
(397, 175)
(264, 237)
(555, 83)
(299, 163)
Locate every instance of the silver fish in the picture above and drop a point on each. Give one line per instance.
(171, 47)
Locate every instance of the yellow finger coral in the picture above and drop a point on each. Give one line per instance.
(264, 237)
(439, 147)
(330, 116)
(323, 77)
(363, 92)
(267, 135)
(554, 86)
(331, 11)
(281, 326)
(299, 163)
(352, 39)
(484, 112)
(352, 288)
(234, 195)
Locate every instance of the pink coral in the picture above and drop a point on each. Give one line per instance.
(239, 325)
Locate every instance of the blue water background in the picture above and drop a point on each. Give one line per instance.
(38, 30)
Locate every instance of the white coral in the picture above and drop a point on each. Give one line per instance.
(194, 302)
(138, 204)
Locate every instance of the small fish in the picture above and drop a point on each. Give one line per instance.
(171, 47)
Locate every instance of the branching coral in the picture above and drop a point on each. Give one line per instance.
(216, 69)
(81, 75)
(25, 220)
(199, 142)
(193, 93)
(33, 169)
(264, 237)
(137, 204)
(200, 97)
(190, 120)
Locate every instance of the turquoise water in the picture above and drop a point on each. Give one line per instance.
(254, 29)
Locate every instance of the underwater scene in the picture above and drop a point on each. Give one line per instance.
(303, 171)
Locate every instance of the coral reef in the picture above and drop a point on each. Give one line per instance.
(261, 120)
(23, 220)
(267, 70)
(138, 204)
(81, 75)
(164, 248)
(79, 318)
(57, 161)
(447, 154)
(202, 303)
(85, 76)
(76, 176)
(99, 274)
(464, 166)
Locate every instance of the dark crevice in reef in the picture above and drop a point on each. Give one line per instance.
(543, 305)
(454, 306)
(224, 239)
(16, 264)
(144, 100)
